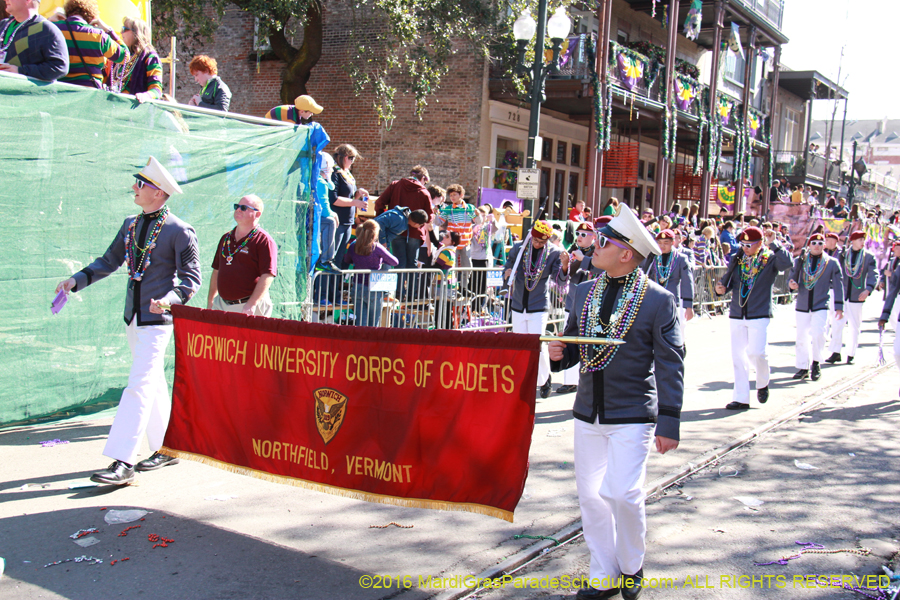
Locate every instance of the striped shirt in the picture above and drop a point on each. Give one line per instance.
(95, 45)
(459, 219)
(285, 112)
(146, 76)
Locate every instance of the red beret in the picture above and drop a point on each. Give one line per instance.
(751, 234)
(666, 234)
(817, 236)
(832, 235)
(585, 226)
(858, 235)
(601, 221)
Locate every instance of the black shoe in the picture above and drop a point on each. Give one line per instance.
(762, 394)
(737, 406)
(816, 372)
(631, 585)
(566, 389)
(849, 360)
(801, 374)
(589, 593)
(834, 358)
(545, 389)
(157, 460)
(118, 473)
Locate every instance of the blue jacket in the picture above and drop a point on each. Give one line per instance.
(392, 223)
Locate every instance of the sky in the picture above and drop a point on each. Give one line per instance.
(869, 32)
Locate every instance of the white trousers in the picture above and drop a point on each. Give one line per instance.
(610, 468)
(748, 347)
(145, 403)
(810, 337)
(534, 323)
(852, 313)
(263, 308)
(896, 343)
(829, 322)
(572, 374)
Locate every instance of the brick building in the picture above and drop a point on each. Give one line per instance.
(447, 141)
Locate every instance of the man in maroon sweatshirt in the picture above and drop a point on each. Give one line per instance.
(409, 192)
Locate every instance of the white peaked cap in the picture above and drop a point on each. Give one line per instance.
(626, 227)
(155, 174)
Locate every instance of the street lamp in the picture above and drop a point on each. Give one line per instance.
(524, 29)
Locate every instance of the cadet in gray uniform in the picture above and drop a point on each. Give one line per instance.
(819, 279)
(579, 271)
(627, 396)
(860, 279)
(751, 276)
(538, 264)
(672, 271)
(171, 277)
(887, 313)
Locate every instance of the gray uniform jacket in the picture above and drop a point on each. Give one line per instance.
(867, 278)
(681, 278)
(538, 299)
(644, 382)
(579, 273)
(893, 286)
(831, 281)
(172, 277)
(759, 303)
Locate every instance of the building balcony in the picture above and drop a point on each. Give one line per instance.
(771, 11)
(793, 166)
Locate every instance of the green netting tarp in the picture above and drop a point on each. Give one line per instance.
(67, 159)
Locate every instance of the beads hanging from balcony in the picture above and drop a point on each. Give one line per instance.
(670, 129)
(602, 110)
(698, 165)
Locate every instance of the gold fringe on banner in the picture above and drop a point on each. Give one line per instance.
(480, 509)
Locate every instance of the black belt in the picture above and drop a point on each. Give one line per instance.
(233, 302)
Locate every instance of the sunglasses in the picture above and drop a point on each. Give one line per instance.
(602, 240)
(141, 183)
(583, 234)
(748, 244)
(817, 243)
(124, 29)
(244, 208)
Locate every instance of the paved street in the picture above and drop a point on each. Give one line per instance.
(237, 537)
(828, 478)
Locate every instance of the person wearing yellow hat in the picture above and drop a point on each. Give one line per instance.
(751, 275)
(629, 398)
(163, 260)
(532, 264)
(299, 113)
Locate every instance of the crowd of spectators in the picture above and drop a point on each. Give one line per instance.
(80, 49)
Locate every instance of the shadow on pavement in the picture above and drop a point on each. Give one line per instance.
(203, 561)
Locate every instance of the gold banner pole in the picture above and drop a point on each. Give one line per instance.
(581, 340)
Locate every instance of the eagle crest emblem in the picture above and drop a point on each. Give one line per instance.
(331, 406)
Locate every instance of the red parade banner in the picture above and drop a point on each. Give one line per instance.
(427, 419)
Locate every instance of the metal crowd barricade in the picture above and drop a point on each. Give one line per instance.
(706, 301)
(468, 299)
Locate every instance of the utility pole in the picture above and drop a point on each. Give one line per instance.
(852, 187)
(828, 163)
